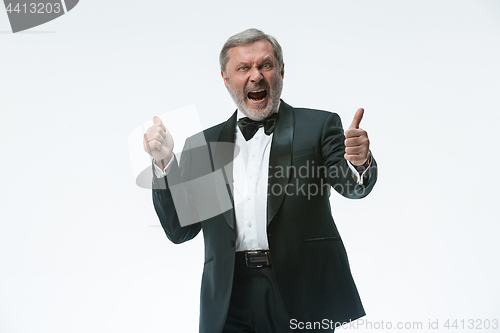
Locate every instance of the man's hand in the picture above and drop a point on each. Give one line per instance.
(158, 143)
(357, 144)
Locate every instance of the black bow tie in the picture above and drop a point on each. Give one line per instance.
(249, 127)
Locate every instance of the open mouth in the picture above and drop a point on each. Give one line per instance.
(257, 95)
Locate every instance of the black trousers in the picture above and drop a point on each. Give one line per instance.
(256, 305)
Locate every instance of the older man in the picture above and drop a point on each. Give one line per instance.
(274, 260)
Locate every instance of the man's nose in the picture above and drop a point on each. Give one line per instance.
(255, 75)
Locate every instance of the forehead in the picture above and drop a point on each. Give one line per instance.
(251, 52)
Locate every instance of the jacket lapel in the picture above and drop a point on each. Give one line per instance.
(281, 156)
(223, 155)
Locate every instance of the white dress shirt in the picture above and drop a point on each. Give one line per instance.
(250, 175)
(250, 178)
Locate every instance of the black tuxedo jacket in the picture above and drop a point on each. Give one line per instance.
(308, 257)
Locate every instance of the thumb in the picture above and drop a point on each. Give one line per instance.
(157, 120)
(357, 118)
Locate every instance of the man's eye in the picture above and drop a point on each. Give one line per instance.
(267, 66)
(242, 69)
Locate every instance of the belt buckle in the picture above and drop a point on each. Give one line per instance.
(252, 259)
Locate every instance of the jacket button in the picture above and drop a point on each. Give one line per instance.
(231, 242)
(359, 189)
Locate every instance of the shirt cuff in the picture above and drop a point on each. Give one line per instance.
(359, 178)
(162, 173)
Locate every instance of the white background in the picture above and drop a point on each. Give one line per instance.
(81, 249)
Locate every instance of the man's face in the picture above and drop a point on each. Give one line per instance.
(254, 79)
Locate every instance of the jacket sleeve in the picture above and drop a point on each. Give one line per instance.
(339, 174)
(168, 209)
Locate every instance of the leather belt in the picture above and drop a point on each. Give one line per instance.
(253, 259)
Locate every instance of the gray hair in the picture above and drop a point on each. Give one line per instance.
(246, 37)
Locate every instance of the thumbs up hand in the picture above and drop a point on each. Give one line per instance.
(158, 143)
(356, 142)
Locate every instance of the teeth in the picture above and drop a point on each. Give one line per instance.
(257, 91)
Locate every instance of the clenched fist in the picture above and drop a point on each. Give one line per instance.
(357, 144)
(158, 143)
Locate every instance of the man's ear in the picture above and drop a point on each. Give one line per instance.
(283, 71)
(224, 78)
